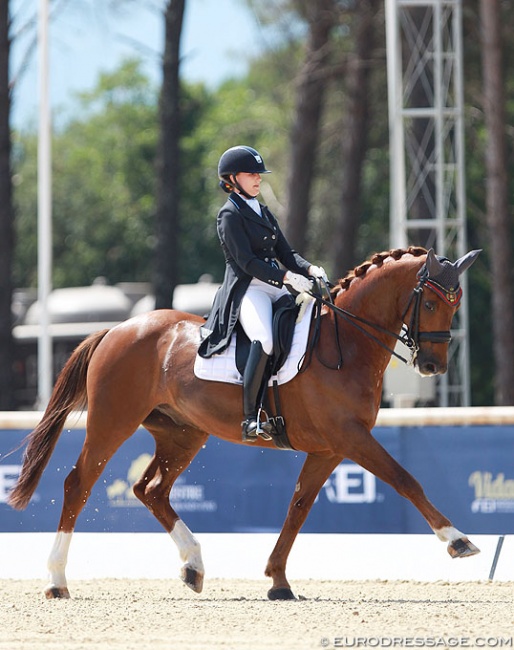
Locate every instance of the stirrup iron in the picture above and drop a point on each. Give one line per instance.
(263, 432)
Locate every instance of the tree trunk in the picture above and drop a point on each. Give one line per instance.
(321, 15)
(6, 219)
(497, 204)
(355, 137)
(168, 161)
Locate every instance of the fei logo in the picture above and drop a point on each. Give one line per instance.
(350, 483)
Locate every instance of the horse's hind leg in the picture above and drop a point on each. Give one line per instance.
(99, 446)
(315, 471)
(175, 448)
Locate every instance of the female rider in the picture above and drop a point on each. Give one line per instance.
(253, 246)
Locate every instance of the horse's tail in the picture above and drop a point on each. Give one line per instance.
(69, 394)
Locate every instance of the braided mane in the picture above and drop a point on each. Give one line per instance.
(376, 260)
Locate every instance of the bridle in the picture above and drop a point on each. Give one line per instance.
(413, 337)
(410, 335)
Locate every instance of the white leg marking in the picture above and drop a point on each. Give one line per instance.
(449, 534)
(188, 546)
(58, 559)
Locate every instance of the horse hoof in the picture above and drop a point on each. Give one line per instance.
(281, 593)
(192, 578)
(462, 548)
(56, 592)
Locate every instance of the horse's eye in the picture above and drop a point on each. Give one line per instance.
(430, 305)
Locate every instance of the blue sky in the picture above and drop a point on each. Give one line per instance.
(87, 38)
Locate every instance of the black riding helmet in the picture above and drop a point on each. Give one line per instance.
(239, 159)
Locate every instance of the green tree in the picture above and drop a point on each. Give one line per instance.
(104, 187)
(103, 190)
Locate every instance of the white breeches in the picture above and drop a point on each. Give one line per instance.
(257, 313)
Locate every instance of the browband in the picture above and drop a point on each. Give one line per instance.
(450, 296)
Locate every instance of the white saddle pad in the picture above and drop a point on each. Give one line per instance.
(222, 367)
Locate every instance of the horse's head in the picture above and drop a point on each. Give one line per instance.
(431, 308)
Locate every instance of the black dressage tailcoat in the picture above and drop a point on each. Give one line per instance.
(252, 245)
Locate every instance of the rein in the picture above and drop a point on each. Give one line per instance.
(411, 337)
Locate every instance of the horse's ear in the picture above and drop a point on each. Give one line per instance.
(466, 261)
(434, 266)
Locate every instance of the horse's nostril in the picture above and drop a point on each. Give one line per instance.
(428, 368)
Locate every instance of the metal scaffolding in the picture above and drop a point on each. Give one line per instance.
(425, 87)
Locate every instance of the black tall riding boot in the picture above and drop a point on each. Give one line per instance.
(252, 383)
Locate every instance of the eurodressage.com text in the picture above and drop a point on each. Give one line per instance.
(417, 642)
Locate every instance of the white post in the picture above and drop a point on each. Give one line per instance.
(398, 203)
(44, 212)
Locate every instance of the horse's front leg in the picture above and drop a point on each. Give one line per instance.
(372, 456)
(315, 471)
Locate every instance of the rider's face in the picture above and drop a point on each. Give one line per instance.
(251, 183)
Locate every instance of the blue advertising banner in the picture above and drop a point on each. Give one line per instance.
(466, 471)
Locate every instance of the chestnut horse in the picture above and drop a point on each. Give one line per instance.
(141, 373)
